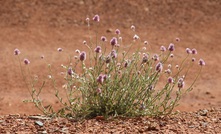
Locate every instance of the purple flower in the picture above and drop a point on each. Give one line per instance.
(117, 31)
(145, 42)
(171, 55)
(113, 54)
(181, 83)
(16, 52)
(82, 56)
(98, 90)
(42, 56)
(202, 62)
(108, 59)
(170, 80)
(177, 39)
(97, 49)
(145, 58)
(136, 37)
(70, 71)
(193, 59)
(133, 27)
(194, 51)
(159, 67)
(188, 51)
(171, 47)
(103, 38)
(113, 41)
(26, 61)
(163, 48)
(96, 18)
(101, 78)
(155, 57)
(126, 64)
(60, 49)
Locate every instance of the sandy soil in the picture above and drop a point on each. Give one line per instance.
(41, 26)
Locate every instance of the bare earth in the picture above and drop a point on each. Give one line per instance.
(39, 27)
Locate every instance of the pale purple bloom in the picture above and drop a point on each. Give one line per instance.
(96, 18)
(97, 49)
(171, 55)
(168, 71)
(171, 47)
(133, 27)
(77, 51)
(145, 58)
(60, 49)
(117, 31)
(70, 71)
(163, 48)
(188, 51)
(16, 52)
(193, 59)
(84, 42)
(101, 78)
(26, 61)
(202, 62)
(126, 64)
(170, 80)
(42, 56)
(113, 54)
(159, 67)
(108, 59)
(181, 83)
(87, 19)
(194, 51)
(99, 90)
(82, 56)
(155, 57)
(113, 41)
(136, 37)
(145, 42)
(177, 39)
(103, 38)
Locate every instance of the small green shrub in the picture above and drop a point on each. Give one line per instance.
(116, 81)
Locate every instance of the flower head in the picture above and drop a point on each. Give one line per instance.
(117, 31)
(145, 58)
(60, 49)
(188, 51)
(113, 54)
(181, 83)
(26, 61)
(155, 57)
(177, 39)
(97, 49)
(133, 27)
(159, 67)
(194, 51)
(145, 42)
(96, 18)
(136, 37)
(170, 80)
(103, 38)
(171, 47)
(16, 52)
(113, 41)
(82, 56)
(163, 48)
(202, 62)
(70, 71)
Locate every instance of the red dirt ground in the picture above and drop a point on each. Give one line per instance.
(41, 26)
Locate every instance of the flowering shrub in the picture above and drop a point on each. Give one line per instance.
(113, 82)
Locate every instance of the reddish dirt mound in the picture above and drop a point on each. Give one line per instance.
(41, 26)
